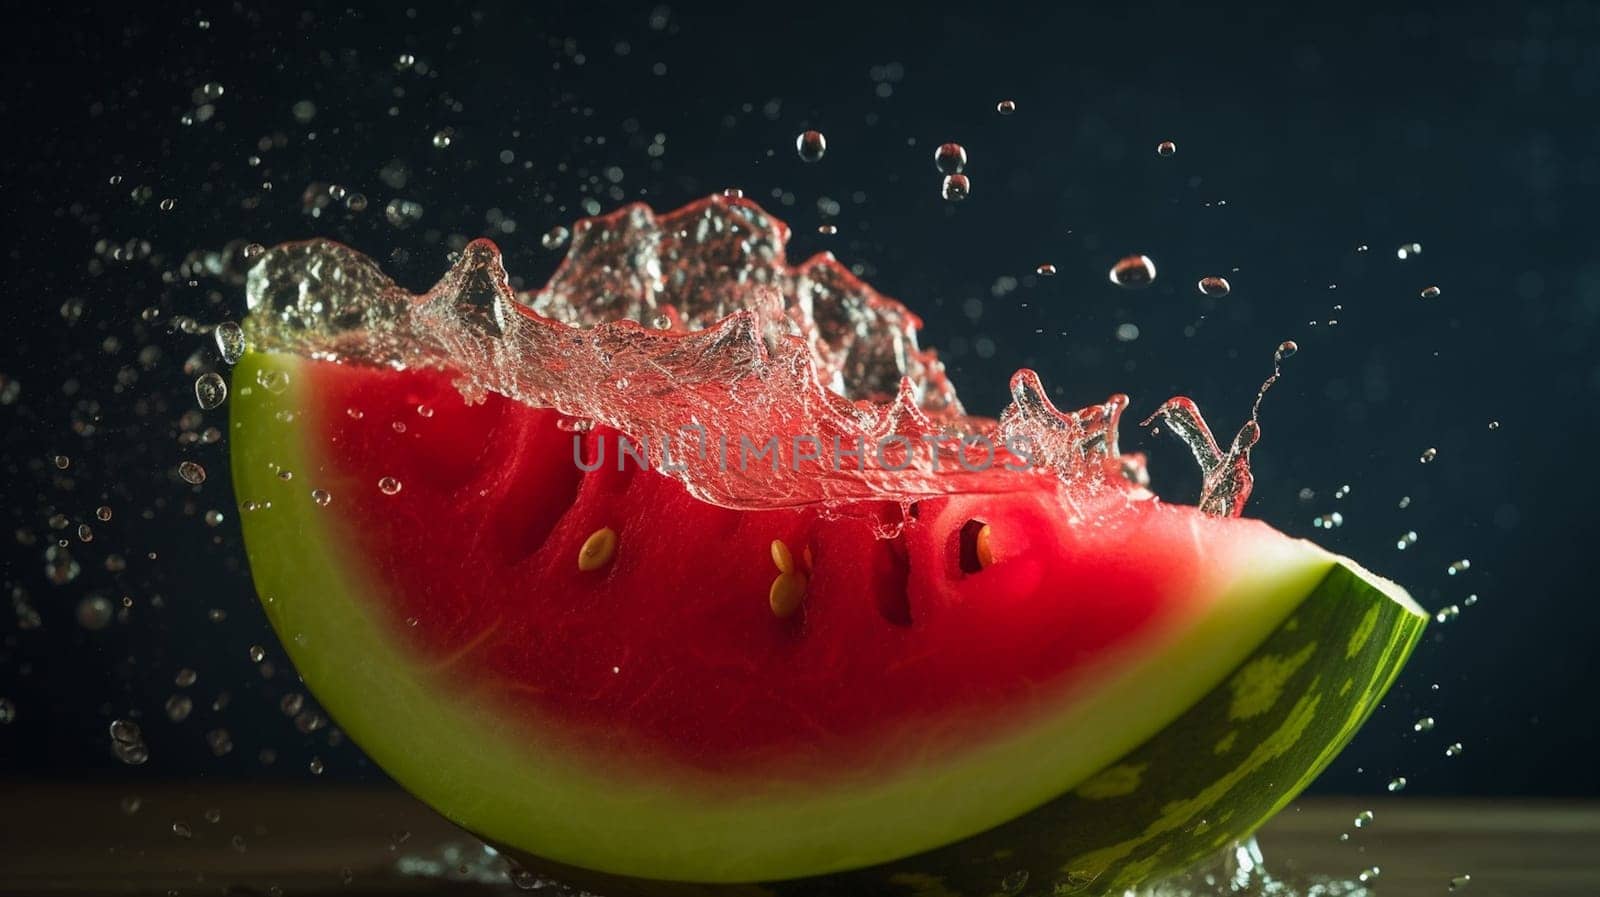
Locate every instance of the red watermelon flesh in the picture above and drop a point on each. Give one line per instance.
(673, 651)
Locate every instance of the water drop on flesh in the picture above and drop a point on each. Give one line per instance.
(811, 146)
(950, 158)
(1214, 286)
(389, 485)
(1133, 272)
(955, 188)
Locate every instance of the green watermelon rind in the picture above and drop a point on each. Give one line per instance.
(459, 759)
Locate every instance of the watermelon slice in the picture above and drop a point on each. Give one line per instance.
(637, 690)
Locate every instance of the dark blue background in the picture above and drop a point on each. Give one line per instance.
(1303, 132)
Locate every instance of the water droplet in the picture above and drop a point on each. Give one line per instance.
(1369, 874)
(1423, 725)
(230, 341)
(1408, 250)
(179, 707)
(8, 711)
(555, 237)
(1329, 521)
(1287, 349)
(1045, 270)
(1166, 148)
(273, 381)
(210, 390)
(1459, 882)
(212, 90)
(955, 188)
(404, 61)
(185, 678)
(441, 139)
(1134, 272)
(1343, 490)
(811, 146)
(950, 158)
(1430, 292)
(1363, 819)
(62, 462)
(192, 473)
(1406, 540)
(167, 205)
(1454, 750)
(182, 830)
(389, 485)
(1457, 568)
(1006, 107)
(1398, 783)
(1447, 613)
(125, 731)
(1214, 286)
(257, 653)
(1494, 425)
(1428, 455)
(315, 766)
(1470, 600)
(321, 497)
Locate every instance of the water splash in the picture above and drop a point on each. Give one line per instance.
(689, 330)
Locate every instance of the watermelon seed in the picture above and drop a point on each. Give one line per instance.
(782, 558)
(976, 547)
(597, 549)
(787, 592)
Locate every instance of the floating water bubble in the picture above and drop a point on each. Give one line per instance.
(1470, 600)
(185, 678)
(402, 213)
(1406, 540)
(1328, 521)
(1457, 568)
(103, 513)
(1408, 250)
(1166, 148)
(1214, 286)
(1459, 882)
(210, 390)
(404, 61)
(211, 90)
(230, 341)
(1424, 724)
(220, 742)
(1287, 349)
(1045, 270)
(1133, 272)
(182, 830)
(179, 707)
(1398, 783)
(388, 485)
(167, 205)
(257, 653)
(1454, 750)
(1447, 613)
(1006, 107)
(811, 146)
(192, 473)
(827, 230)
(555, 237)
(1342, 491)
(955, 188)
(1369, 874)
(950, 158)
(1430, 292)
(442, 138)
(1127, 333)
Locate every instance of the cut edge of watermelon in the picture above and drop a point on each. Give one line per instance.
(547, 802)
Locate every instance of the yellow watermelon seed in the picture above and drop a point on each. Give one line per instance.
(597, 549)
(787, 592)
(782, 558)
(985, 546)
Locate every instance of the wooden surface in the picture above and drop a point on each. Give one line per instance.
(59, 840)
